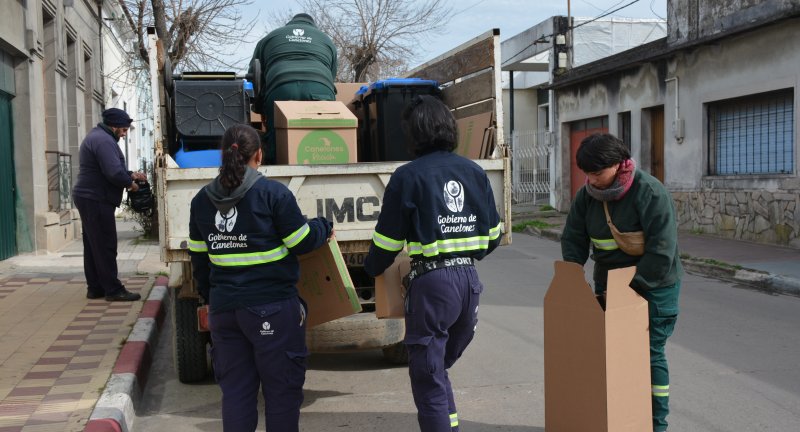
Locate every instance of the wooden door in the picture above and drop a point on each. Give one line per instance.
(657, 143)
(578, 131)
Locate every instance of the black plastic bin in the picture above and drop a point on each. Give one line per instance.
(381, 137)
(205, 109)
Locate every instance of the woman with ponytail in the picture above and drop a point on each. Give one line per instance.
(617, 203)
(245, 232)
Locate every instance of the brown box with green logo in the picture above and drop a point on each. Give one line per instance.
(315, 133)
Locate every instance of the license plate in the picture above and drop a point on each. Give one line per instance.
(354, 259)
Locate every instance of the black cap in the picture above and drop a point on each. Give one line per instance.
(116, 117)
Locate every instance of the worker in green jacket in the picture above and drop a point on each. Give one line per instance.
(636, 201)
(298, 62)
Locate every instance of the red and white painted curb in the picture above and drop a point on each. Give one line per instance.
(115, 410)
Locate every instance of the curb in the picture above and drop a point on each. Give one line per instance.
(115, 410)
(754, 278)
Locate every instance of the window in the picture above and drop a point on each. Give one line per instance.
(752, 134)
(625, 128)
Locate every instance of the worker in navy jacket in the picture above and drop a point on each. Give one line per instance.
(245, 232)
(441, 207)
(97, 194)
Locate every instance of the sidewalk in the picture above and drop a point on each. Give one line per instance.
(66, 359)
(768, 267)
(72, 364)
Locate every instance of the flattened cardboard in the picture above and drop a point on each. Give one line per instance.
(472, 135)
(315, 133)
(597, 362)
(389, 300)
(325, 285)
(346, 92)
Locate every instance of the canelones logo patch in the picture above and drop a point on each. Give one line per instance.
(454, 196)
(226, 222)
(266, 329)
(298, 35)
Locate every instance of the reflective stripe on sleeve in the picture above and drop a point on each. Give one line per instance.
(247, 259)
(197, 246)
(660, 390)
(604, 244)
(296, 237)
(387, 243)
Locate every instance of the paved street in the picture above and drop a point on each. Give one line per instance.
(733, 358)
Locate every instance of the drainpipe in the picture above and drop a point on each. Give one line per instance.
(511, 103)
(677, 121)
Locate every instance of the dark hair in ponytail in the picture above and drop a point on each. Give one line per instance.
(239, 143)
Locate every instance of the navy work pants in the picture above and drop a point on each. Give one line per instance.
(441, 317)
(260, 346)
(99, 246)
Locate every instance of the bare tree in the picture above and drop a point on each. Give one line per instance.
(193, 32)
(376, 38)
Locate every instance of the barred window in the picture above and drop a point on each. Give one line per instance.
(752, 134)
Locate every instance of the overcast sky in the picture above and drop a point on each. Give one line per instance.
(474, 17)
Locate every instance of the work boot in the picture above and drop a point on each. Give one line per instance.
(124, 295)
(94, 296)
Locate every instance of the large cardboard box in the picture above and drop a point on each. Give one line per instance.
(346, 92)
(596, 361)
(473, 135)
(325, 285)
(389, 291)
(314, 132)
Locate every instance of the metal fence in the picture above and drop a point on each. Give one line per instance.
(59, 180)
(530, 166)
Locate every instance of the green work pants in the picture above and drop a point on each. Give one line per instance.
(292, 91)
(662, 313)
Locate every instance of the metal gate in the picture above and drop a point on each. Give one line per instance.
(530, 166)
(8, 223)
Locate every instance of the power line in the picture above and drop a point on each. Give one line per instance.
(543, 38)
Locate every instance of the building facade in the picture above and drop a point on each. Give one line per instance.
(711, 110)
(53, 86)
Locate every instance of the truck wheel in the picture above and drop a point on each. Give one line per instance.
(357, 332)
(189, 344)
(397, 353)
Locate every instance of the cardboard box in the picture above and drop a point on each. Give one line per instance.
(325, 285)
(473, 134)
(346, 92)
(597, 362)
(315, 132)
(389, 291)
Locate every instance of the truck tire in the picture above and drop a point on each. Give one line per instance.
(189, 345)
(355, 333)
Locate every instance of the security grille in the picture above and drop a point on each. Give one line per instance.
(752, 134)
(531, 166)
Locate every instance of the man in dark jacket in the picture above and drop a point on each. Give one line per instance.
(97, 192)
(298, 63)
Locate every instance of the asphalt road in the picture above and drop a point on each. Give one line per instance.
(734, 361)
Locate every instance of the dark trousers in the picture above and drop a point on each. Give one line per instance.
(441, 317)
(260, 346)
(99, 246)
(291, 91)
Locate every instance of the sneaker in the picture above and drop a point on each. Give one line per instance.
(124, 295)
(93, 296)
